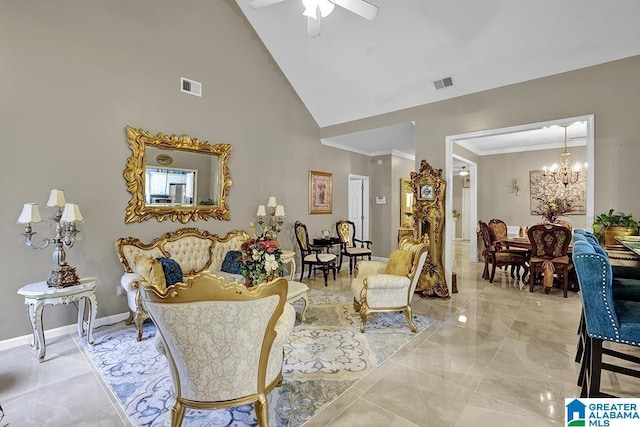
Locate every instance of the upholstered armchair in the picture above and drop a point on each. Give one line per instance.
(388, 287)
(351, 247)
(223, 341)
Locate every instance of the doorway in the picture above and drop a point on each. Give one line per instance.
(359, 204)
(449, 155)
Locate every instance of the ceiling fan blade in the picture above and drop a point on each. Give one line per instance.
(359, 7)
(256, 4)
(313, 26)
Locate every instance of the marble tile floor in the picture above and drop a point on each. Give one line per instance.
(497, 355)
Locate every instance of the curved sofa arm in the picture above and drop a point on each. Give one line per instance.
(386, 281)
(366, 268)
(129, 281)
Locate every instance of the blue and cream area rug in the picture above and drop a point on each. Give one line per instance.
(326, 355)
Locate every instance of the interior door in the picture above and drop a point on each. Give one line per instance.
(465, 216)
(359, 206)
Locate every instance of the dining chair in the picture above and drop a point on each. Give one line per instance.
(605, 318)
(499, 232)
(498, 257)
(313, 256)
(346, 231)
(549, 248)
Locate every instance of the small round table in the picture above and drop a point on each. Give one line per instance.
(37, 295)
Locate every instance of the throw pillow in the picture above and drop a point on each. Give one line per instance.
(172, 270)
(400, 263)
(151, 270)
(231, 262)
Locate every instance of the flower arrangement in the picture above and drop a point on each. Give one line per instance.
(260, 260)
(551, 207)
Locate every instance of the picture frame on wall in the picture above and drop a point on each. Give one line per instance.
(320, 192)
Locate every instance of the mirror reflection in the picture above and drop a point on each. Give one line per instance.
(180, 178)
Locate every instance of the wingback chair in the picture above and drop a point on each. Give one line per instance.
(223, 341)
(346, 231)
(549, 247)
(389, 287)
(313, 256)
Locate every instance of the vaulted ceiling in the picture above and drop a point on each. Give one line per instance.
(358, 68)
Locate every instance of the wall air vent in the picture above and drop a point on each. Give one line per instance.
(190, 86)
(442, 83)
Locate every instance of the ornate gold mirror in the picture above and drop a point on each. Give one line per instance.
(406, 203)
(176, 177)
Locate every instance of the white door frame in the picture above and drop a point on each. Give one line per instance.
(451, 139)
(365, 204)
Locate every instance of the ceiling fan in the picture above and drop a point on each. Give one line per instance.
(315, 10)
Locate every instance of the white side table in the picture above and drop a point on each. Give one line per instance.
(37, 295)
(289, 257)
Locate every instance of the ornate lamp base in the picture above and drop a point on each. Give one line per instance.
(63, 276)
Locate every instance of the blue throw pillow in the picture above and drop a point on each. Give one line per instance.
(172, 270)
(231, 262)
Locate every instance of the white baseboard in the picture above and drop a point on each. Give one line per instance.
(62, 330)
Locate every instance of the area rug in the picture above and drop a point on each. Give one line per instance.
(326, 355)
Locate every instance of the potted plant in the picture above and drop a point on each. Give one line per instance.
(609, 225)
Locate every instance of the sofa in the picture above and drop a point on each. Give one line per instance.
(192, 249)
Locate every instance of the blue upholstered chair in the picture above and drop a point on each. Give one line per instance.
(605, 318)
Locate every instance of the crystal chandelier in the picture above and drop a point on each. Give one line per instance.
(563, 173)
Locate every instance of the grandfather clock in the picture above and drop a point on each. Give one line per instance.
(428, 214)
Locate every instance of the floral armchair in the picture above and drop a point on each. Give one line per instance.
(389, 287)
(217, 358)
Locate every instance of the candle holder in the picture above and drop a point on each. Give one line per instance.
(273, 225)
(66, 217)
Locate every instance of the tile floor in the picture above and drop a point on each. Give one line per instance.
(497, 355)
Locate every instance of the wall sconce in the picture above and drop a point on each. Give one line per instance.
(514, 187)
(66, 217)
(276, 218)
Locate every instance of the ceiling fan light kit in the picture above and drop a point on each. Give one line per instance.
(315, 10)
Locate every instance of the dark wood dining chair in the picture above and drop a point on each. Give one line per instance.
(499, 232)
(313, 256)
(497, 257)
(549, 248)
(350, 246)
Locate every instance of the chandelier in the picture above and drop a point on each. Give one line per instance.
(563, 173)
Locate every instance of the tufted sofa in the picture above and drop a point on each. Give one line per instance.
(193, 249)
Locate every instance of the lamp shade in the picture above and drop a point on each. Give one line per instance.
(71, 213)
(261, 211)
(29, 214)
(56, 198)
(272, 202)
(280, 210)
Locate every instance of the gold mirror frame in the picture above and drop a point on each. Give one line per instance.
(134, 175)
(406, 203)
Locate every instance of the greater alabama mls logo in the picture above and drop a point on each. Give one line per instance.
(602, 412)
(576, 413)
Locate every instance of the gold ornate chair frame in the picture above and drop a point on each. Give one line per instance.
(206, 287)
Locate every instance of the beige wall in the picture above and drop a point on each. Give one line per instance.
(496, 172)
(610, 91)
(74, 74)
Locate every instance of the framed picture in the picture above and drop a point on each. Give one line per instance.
(426, 192)
(576, 193)
(320, 192)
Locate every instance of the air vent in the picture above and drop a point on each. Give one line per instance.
(442, 83)
(190, 86)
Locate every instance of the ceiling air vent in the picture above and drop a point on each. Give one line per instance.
(442, 83)
(190, 86)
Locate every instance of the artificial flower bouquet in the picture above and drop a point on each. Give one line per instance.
(261, 260)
